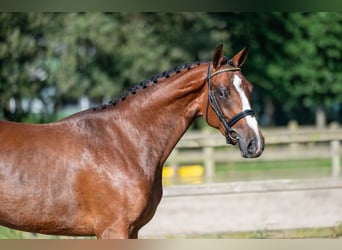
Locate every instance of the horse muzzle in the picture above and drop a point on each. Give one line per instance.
(251, 147)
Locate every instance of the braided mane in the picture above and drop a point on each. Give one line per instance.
(154, 79)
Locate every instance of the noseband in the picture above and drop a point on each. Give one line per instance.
(230, 134)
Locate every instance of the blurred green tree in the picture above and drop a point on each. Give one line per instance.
(295, 63)
(58, 57)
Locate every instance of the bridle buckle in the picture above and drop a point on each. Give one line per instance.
(232, 136)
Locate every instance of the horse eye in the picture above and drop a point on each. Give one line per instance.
(222, 93)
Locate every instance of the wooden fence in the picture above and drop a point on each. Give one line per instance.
(285, 143)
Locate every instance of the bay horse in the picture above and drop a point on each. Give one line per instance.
(99, 172)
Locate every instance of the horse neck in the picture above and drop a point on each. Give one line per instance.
(156, 117)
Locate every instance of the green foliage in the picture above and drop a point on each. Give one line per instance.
(294, 63)
(314, 48)
(296, 59)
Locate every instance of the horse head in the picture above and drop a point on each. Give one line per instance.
(228, 105)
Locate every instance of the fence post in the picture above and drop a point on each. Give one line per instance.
(292, 126)
(173, 162)
(208, 153)
(209, 164)
(335, 154)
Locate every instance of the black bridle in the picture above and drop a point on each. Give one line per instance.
(230, 134)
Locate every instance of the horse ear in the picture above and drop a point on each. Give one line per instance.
(218, 56)
(239, 59)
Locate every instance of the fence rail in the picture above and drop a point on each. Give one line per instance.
(292, 142)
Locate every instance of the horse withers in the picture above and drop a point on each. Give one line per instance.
(99, 172)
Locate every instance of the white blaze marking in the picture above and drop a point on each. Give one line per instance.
(251, 121)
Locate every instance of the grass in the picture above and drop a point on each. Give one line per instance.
(306, 233)
(260, 170)
(266, 165)
(266, 170)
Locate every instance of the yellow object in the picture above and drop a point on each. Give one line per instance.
(167, 172)
(191, 171)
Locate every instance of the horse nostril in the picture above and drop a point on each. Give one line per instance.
(251, 147)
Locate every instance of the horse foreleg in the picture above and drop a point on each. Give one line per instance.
(113, 232)
(134, 234)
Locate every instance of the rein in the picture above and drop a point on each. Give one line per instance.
(230, 134)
